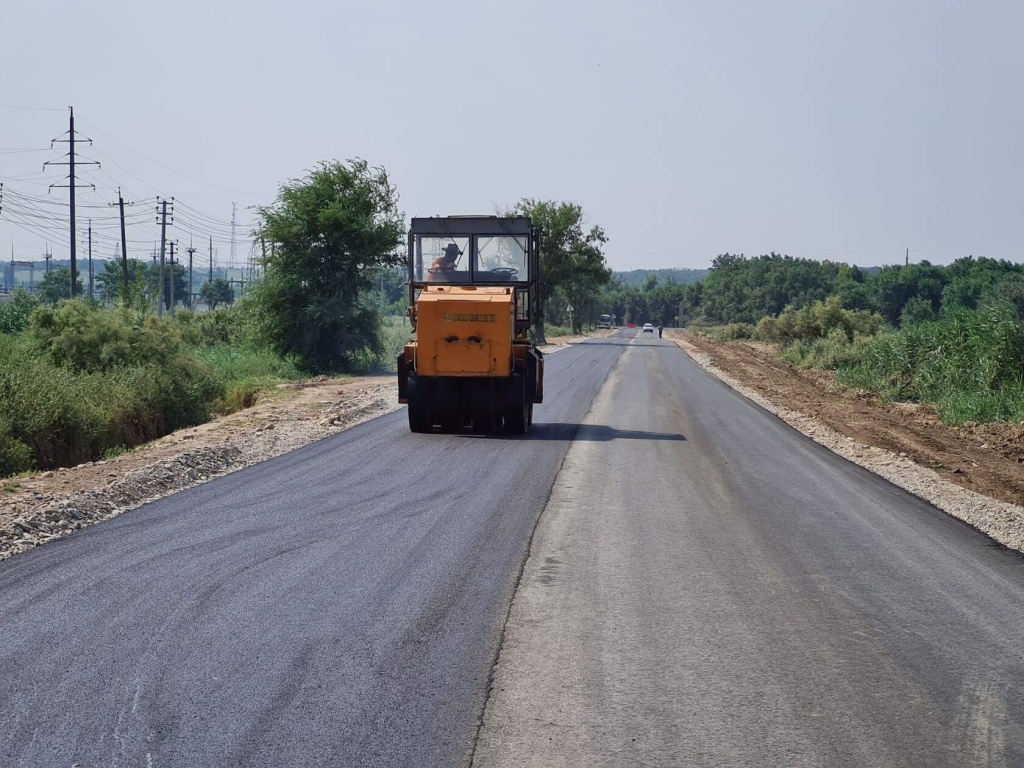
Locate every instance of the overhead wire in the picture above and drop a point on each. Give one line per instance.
(168, 168)
(34, 109)
(47, 217)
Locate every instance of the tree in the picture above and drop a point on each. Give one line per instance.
(570, 258)
(111, 281)
(175, 272)
(218, 291)
(56, 285)
(896, 285)
(332, 232)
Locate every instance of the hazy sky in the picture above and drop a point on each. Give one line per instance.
(824, 129)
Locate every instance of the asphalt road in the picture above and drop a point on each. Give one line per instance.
(721, 591)
(705, 587)
(338, 606)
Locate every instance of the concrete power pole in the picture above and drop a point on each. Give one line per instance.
(211, 259)
(172, 244)
(163, 248)
(90, 262)
(191, 291)
(124, 247)
(231, 261)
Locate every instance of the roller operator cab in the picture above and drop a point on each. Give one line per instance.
(473, 299)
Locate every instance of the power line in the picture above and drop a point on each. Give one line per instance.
(172, 170)
(32, 109)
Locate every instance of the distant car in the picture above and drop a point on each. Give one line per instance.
(648, 328)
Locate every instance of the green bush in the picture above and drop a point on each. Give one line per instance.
(831, 353)
(395, 333)
(82, 380)
(15, 456)
(15, 314)
(221, 326)
(737, 332)
(66, 416)
(87, 338)
(818, 321)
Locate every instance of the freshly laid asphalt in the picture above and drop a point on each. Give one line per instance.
(721, 591)
(340, 605)
(706, 587)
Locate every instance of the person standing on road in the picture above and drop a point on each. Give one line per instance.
(659, 331)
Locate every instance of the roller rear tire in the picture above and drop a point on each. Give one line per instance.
(517, 410)
(419, 411)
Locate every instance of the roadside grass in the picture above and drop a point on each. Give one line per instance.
(967, 363)
(241, 373)
(114, 451)
(82, 383)
(554, 331)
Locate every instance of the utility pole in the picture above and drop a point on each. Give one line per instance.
(231, 261)
(907, 261)
(124, 247)
(191, 251)
(211, 259)
(90, 261)
(71, 162)
(163, 247)
(46, 257)
(172, 243)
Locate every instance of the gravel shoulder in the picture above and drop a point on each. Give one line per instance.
(974, 472)
(38, 508)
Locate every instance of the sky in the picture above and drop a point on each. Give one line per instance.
(848, 131)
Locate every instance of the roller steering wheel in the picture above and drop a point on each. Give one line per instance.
(510, 271)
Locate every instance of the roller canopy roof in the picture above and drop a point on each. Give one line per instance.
(471, 225)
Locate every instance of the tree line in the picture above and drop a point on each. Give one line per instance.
(740, 289)
(143, 285)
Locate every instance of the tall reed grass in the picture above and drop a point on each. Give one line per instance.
(968, 363)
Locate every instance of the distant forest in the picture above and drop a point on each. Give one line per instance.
(637, 277)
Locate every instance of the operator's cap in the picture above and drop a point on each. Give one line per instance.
(451, 250)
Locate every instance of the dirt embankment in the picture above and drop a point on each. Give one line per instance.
(906, 443)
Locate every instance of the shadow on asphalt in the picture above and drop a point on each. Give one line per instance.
(598, 433)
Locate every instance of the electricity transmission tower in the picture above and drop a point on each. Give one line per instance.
(70, 161)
